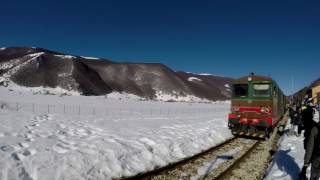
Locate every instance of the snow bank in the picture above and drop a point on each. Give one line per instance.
(120, 96)
(174, 96)
(42, 90)
(289, 158)
(63, 146)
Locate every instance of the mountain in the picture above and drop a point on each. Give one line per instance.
(37, 67)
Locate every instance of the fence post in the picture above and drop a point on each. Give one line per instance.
(106, 113)
(17, 106)
(64, 109)
(93, 111)
(48, 108)
(33, 108)
(79, 110)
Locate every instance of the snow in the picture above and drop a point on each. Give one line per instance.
(42, 90)
(3, 48)
(207, 74)
(35, 55)
(174, 96)
(5, 79)
(65, 56)
(210, 166)
(227, 86)
(194, 79)
(289, 157)
(117, 95)
(121, 138)
(86, 57)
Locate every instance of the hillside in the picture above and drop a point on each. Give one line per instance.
(37, 67)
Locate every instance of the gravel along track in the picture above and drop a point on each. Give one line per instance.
(205, 166)
(254, 166)
(238, 158)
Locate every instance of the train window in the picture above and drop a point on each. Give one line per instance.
(274, 91)
(240, 90)
(261, 90)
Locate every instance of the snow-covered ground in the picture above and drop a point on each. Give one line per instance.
(289, 157)
(130, 136)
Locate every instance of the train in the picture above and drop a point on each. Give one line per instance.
(257, 106)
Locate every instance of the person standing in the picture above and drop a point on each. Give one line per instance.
(307, 120)
(312, 155)
(298, 120)
(292, 120)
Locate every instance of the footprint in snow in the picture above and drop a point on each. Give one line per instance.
(23, 144)
(64, 147)
(7, 148)
(29, 152)
(20, 156)
(35, 125)
(11, 134)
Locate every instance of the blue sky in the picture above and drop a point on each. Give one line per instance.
(226, 37)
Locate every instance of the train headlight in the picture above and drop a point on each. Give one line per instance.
(235, 109)
(265, 110)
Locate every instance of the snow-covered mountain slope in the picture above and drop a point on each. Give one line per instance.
(36, 67)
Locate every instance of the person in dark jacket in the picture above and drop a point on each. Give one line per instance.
(312, 155)
(292, 119)
(307, 120)
(298, 120)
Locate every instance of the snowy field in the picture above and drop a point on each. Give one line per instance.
(117, 136)
(289, 157)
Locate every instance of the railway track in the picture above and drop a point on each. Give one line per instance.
(236, 158)
(211, 164)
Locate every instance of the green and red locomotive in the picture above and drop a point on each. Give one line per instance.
(257, 106)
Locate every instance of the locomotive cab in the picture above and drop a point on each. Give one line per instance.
(254, 106)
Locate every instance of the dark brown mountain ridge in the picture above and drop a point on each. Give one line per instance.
(35, 67)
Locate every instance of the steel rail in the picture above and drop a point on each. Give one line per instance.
(149, 174)
(226, 173)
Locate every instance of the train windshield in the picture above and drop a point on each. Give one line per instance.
(261, 90)
(240, 90)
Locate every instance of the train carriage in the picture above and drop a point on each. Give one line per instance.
(257, 106)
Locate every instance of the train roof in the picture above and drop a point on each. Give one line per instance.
(244, 79)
